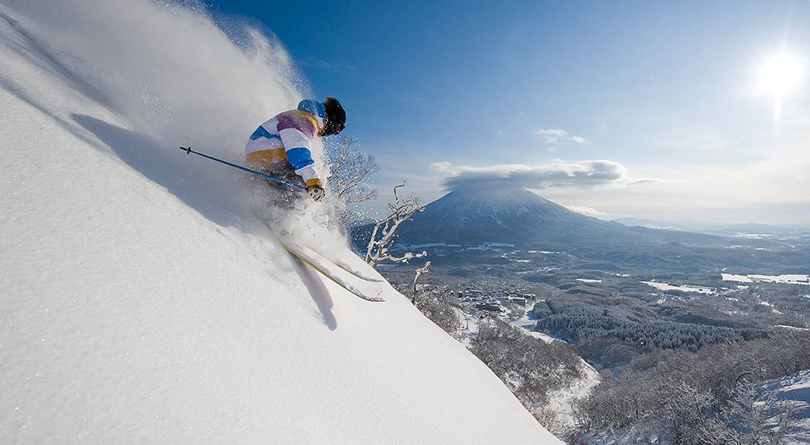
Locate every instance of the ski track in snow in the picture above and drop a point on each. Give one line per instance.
(143, 301)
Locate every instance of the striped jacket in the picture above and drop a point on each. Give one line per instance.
(283, 144)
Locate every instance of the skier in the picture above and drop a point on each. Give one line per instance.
(281, 146)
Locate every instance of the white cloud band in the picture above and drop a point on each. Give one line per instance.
(554, 135)
(554, 174)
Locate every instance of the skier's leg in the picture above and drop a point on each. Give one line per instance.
(281, 206)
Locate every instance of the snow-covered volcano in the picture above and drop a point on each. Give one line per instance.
(511, 215)
(141, 300)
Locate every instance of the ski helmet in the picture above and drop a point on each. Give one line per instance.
(334, 120)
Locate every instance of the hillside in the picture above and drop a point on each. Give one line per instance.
(142, 299)
(792, 390)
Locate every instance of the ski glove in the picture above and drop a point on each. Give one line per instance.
(316, 192)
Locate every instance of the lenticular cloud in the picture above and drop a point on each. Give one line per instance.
(555, 174)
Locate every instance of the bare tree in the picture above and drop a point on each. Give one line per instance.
(400, 211)
(419, 272)
(440, 306)
(754, 418)
(348, 169)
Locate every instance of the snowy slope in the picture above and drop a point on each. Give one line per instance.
(562, 400)
(795, 391)
(141, 300)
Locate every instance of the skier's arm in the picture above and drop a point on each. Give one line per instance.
(296, 134)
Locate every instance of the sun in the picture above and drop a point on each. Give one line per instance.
(780, 74)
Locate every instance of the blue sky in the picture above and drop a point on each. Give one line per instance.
(665, 92)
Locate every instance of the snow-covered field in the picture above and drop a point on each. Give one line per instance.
(785, 279)
(528, 325)
(682, 287)
(490, 246)
(142, 300)
(792, 328)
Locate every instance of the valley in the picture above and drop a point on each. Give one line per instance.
(627, 300)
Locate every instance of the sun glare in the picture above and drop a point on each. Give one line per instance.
(780, 74)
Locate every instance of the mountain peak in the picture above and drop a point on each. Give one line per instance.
(504, 198)
(489, 215)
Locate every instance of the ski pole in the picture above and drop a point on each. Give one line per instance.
(263, 175)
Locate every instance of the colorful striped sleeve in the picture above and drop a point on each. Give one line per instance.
(296, 133)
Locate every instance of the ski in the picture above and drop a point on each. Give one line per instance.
(363, 289)
(360, 269)
(354, 266)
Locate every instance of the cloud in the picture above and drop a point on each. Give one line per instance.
(650, 181)
(554, 135)
(553, 174)
(441, 167)
(587, 211)
(552, 132)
